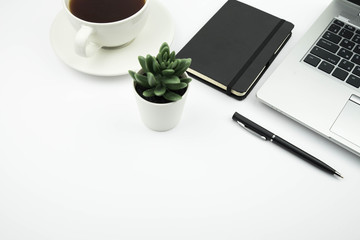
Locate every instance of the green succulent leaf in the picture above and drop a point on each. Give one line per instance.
(171, 80)
(168, 62)
(159, 57)
(149, 93)
(164, 45)
(142, 62)
(180, 64)
(174, 64)
(177, 86)
(165, 57)
(156, 66)
(142, 80)
(160, 90)
(151, 79)
(183, 66)
(171, 96)
(165, 49)
(149, 63)
(132, 74)
(168, 72)
(162, 65)
(172, 56)
(180, 72)
(185, 80)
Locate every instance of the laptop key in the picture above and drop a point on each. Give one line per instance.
(356, 59)
(346, 65)
(345, 53)
(347, 44)
(338, 22)
(332, 37)
(354, 81)
(340, 74)
(328, 45)
(321, 53)
(346, 33)
(356, 38)
(326, 67)
(350, 28)
(357, 49)
(312, 60)
(356, 71)
(334, 28)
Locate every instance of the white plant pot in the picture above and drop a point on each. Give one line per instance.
(160, 116)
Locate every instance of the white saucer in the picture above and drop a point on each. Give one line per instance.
(113, 62)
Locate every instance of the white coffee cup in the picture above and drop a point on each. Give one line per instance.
(91, 36)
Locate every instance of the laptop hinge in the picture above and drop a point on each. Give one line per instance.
(344, 19)
(355, 99)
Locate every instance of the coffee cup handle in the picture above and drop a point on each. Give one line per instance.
(83, 44)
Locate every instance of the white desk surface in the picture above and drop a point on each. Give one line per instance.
(76, 162)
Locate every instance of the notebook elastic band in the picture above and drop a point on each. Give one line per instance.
(253, 57)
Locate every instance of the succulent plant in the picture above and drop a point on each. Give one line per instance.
(161, 76)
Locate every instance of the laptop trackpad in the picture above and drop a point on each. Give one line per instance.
(347, 125)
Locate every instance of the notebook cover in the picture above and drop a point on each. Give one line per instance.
(235, 47)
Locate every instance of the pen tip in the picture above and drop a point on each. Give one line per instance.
(338, 174)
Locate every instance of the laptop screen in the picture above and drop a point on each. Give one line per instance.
(357, 2)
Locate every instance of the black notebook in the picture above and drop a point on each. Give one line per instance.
(235, 47)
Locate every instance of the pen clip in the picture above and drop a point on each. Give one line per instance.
(251, 131)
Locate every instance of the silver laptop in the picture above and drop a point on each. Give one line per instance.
(318, 82)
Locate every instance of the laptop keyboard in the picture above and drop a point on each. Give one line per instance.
(337, 52)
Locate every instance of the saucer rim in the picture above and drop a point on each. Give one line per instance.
(91, 70)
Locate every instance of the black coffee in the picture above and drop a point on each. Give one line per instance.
(104, 11)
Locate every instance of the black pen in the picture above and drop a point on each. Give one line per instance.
(269, 136)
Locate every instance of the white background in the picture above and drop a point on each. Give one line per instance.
(76, 162)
